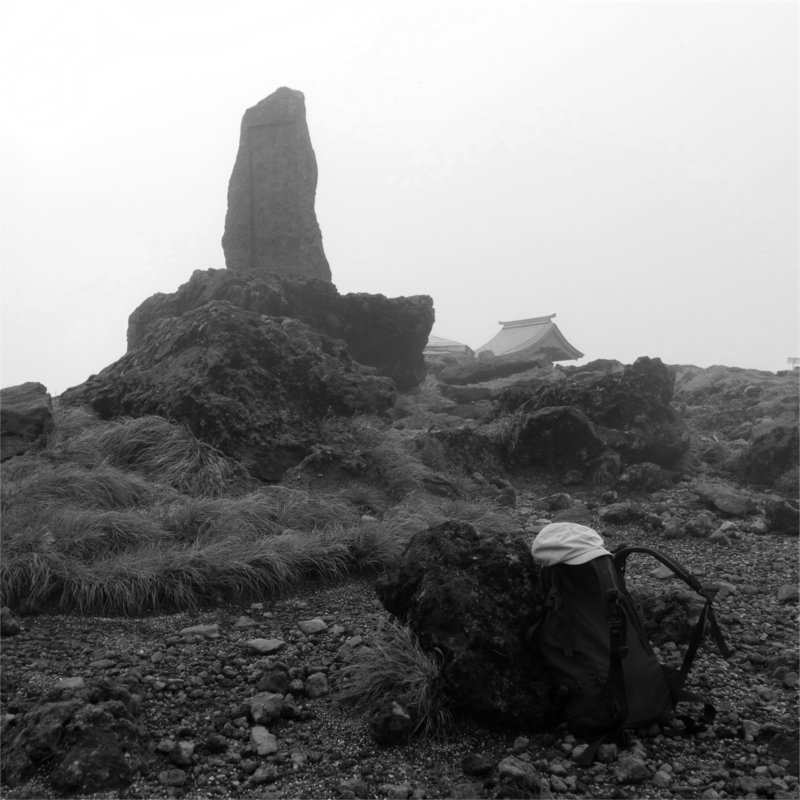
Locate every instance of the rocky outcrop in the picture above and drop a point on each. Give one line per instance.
(386, 333)
(271, 225)
(771, 457)
(629, 413)
(557, 436)
(26, 418)
(472, 597)
(745, 422)
(253, 386)
(85, 737)
(490, 367)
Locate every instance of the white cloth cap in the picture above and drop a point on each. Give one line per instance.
(567, 543)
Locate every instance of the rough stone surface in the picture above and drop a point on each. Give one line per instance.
(630, 411)
(732, 501)
(390, 723)
(9, 624)
(388, 334)
(26, 418)
(86, 739)
(271, 225)
(772, 453)
(558, 436)
(252, 386)
(473, 597)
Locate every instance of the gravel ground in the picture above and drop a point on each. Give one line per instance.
(195, 689)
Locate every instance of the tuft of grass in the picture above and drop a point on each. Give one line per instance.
(395, 667)
(155, 448)
(102, 487)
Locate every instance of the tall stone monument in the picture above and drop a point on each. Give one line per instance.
(271, 225)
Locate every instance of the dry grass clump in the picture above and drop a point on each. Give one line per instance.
(150, 446)
(395, 667)
(136, 516)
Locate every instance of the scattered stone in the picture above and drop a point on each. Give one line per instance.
(727, 499)
(9, 624)
(266, 707)
(265, 646)
(395, 791)
(267, 773)
(181, 753)
(391, 723)
(311, 626)
(262, 741)
(316, 685)
(206, 631)
(172, 777)
(477, 765)
(788, 593)
(631, 769)
(518, 773)
(620, 513)
(274, 680)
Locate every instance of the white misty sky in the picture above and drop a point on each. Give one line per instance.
(630, 167)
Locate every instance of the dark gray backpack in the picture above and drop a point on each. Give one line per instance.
(600, 659)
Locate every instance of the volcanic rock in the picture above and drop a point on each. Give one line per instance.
(386, 333)
(26, 418)
(252, 386)
(630, 411)
(773, 454)
(728, 499)
(558, 436)
(87, 743)
(271, 225)
(473, 597)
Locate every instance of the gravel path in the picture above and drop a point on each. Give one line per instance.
(195, 689)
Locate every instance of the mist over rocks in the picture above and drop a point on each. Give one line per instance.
(271, 224)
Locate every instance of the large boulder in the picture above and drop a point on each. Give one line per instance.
(472, 597)
(386, 333)
(86, 740)
(629, 410)
(271, 225)
(772, 455)
(557, 436)
(253, 386)
(26, 418)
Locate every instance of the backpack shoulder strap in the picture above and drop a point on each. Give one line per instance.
(707, 614)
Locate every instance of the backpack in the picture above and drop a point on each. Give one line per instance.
(598, 654)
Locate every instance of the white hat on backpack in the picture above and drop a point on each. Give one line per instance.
(567, 543)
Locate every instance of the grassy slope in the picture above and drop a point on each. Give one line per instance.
(137, 516)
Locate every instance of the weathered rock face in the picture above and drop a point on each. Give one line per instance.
(558, 436)
(629, 411)
(87, 739)
(773, 454)
(26, 418)
(473, 597)
(271, 225)
(745, 422)
(386, 333)
(253, 386)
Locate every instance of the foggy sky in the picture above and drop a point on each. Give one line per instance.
(630, 167)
